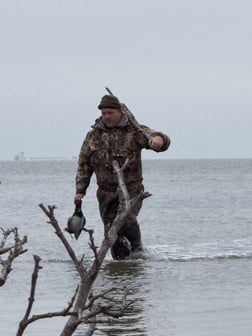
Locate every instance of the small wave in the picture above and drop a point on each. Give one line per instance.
(238, 249)
(208, 251)
(58, 260)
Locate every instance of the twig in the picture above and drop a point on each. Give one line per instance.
(27, 319)
(13, 251)
(50, 214)
(122, 186)
(87, 277)
(23, 324)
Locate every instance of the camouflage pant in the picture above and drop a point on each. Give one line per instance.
(108, 205)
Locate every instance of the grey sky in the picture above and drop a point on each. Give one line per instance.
(183, 67)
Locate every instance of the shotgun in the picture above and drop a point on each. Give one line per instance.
(131, 117)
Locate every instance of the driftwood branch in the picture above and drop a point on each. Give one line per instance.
(123, 192)
(11, 247)
(84, 307)
(88, 279)
(27, 319)
(52, 220)
(125, 210)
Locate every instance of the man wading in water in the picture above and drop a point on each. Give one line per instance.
(113, 137)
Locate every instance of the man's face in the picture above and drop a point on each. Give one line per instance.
(111, 116)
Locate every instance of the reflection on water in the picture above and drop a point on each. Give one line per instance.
(124, 269)
(121, 274)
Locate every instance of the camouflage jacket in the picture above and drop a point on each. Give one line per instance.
(103, 145)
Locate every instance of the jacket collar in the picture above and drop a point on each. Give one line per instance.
(100, 124)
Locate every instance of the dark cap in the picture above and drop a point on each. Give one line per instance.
(109, 101)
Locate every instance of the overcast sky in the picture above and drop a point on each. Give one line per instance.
(183, 67)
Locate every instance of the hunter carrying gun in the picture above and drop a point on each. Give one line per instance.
(116, 135)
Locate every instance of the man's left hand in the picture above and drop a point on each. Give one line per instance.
(156, 143)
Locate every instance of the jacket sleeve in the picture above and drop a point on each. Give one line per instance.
(84, 169)
(153, 133)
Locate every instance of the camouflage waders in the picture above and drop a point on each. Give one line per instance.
(108, 204)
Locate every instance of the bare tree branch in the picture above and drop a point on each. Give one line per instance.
(13, 251)
(27, 319)
(23, 324)
(84, 307)
(52, 220)
(87, 281)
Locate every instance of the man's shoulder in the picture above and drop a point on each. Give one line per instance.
(92, 133)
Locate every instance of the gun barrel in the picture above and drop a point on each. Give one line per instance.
(131, 117)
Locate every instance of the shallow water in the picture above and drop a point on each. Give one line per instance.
(194, 276)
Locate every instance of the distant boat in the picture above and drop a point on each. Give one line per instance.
(20, 157)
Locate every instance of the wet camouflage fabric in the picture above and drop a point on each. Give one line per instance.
(102, 145)
(108, 205)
